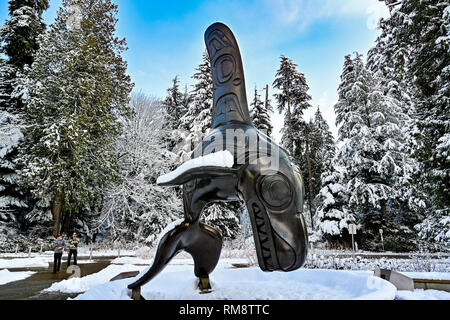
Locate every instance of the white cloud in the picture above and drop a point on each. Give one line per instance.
(303, 12)
(141, 73)
(376, 12)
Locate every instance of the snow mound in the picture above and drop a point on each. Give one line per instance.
(428, 275)
(132, 260)
(218, 159)
(24, 263)
(7, 276)
(420, 294)
(254, 284)
(76, 285)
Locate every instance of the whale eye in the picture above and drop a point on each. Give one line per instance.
(276, 191)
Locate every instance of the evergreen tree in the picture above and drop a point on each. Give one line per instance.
(292, 98)
(175, 108)
(333, 215)
(18, 43)
(435, 228)
(318, 140)
(7, 83)
(224, 216)
(11, 201)
(260, 116)
(327, 145)
(20, 33)
(197, 120)
(314, 150)
(186, 101)
(75, 93)
(307, 141)
(415, 42)
(378, 172)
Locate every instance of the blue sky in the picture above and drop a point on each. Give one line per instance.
(165, 39)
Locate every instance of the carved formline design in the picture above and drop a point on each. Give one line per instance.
(263, 235)
(230, 102)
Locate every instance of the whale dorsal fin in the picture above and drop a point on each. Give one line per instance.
(230, 99)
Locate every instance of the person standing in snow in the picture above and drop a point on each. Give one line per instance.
(73, 249)
(59, 249)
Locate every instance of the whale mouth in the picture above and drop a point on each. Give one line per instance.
(262, 234)
(273, 251)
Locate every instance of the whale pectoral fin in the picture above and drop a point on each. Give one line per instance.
(194, 173)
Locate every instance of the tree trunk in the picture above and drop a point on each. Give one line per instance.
(56, 211)
(308, 159)
(267, 98)
(291, 140)
(66, 223)
(383, 210)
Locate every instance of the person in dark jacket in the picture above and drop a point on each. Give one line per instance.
(59, 249)
(73, 249)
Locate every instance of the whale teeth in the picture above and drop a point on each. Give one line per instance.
(263, 237)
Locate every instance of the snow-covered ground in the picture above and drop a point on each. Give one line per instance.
(178, 282)
(7, 276)
(226, 263)
(82, 252)
(37, 262)
(75, 285)
(428, 275)
(420, 294)
(355, 279)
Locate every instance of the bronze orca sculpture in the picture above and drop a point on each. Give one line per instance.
(262, 175)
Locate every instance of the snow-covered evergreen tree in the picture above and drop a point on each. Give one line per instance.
(328, 147)
(321, 149)
(307, 143)
(18, 43)
(378, 172)
(20, 32)
(415, 44)
(7, 82)
(75, 92)
(198, 118)
(10, 195)
(260, 115)
(224, 216)
(175, 108)
(435, 228)
(292, 98)
(186, 101)
(138, 209)
(333, 214)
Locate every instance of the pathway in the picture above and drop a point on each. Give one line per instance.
(30, 288)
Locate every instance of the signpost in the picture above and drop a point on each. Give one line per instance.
(352, 231)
